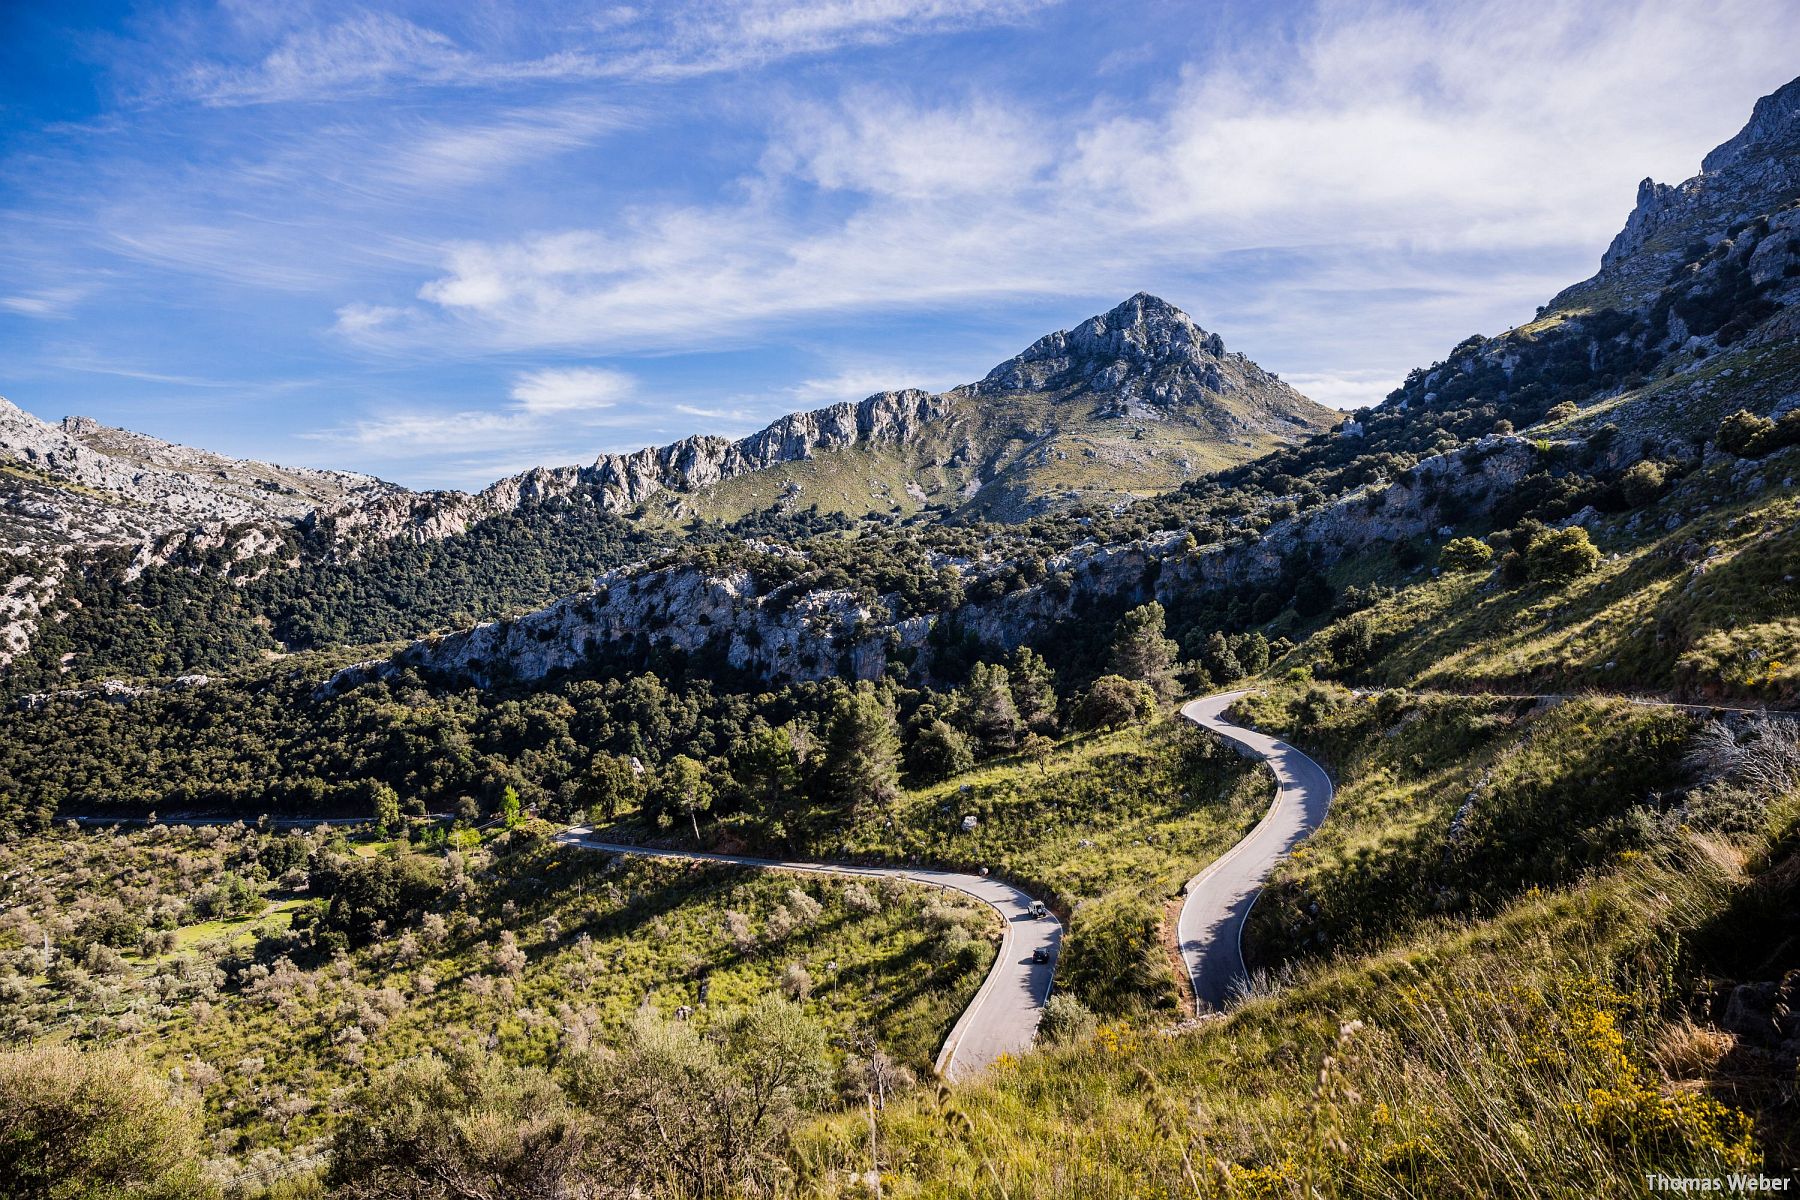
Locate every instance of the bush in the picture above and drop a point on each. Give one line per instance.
(1066, 1020)
(471, 1127)
(1465, 554)
(93, 1126)
(1561, 555)
(939, 751)
(1744, 433)
(1643, 483)
(1114, 701)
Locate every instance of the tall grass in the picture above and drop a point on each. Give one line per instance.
(1512, 1057)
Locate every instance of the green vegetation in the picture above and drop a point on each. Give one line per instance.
(1551, 1034)
(94, 1126)
(1696, 595)
(1451, 806)
(518, 949)
(1543, 947)
(1552, 1050)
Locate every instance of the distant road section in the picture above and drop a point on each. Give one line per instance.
(1003, 1018)
(1218, 900)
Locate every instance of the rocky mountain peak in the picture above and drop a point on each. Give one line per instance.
(1773, 130)
(1144, 333)
(1755, 172)
(1147, 359)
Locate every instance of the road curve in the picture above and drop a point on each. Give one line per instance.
(1218, 900)
(1003, 1017)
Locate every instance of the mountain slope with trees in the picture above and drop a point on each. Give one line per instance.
(1543, 946)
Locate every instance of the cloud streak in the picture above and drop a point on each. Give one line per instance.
(369, 53)
(548, 408)
(1382, 141)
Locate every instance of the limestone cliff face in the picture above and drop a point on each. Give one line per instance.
(829, 633)
(157, 486)
(79, 487)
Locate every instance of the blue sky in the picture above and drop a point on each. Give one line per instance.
(442, 243)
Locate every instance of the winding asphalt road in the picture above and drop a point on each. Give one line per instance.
(1003, 1017)
(1218, 900)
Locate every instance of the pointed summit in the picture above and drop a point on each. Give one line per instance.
(1142, 334)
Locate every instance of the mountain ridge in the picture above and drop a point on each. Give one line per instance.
(1144, 359)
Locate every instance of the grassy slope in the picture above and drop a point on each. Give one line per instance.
(1451, 806)
(1106, 829)
(1028, 447)
(1544, 1051)
(1136, 808)
(1709, 608)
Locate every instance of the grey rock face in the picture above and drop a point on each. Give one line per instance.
(84, 485)
(172, 487)
(620, 482)
(1757, 171)
(1145, 352)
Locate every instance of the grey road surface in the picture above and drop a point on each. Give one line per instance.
(1218, 899)
(1003, 1017)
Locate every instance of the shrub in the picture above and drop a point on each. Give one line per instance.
(1465, 554)
(92, 1125)
(1066, 1020)
(1744, 433)
(939, 751)
(1643, 483)
(1113, 701)
(1561, 555)
(474, 1126)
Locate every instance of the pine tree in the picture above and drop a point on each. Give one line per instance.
(683, 788)
(939, 750)
(862, 750)
(992, 718)
(1142, 650)
(767, 766)
(1033, 690)
(1221, 661)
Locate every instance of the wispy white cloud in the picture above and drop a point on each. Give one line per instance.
(371, 52)
(1384, 140)
(50, 303)
(337, 60)
(554, 409)
(859, 383)
(893, 147)
(570, 389)
(1350, 389)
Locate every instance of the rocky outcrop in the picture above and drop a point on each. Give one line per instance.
(1756, 172)
(168, 486)
(619, 483)
(1145, 359)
